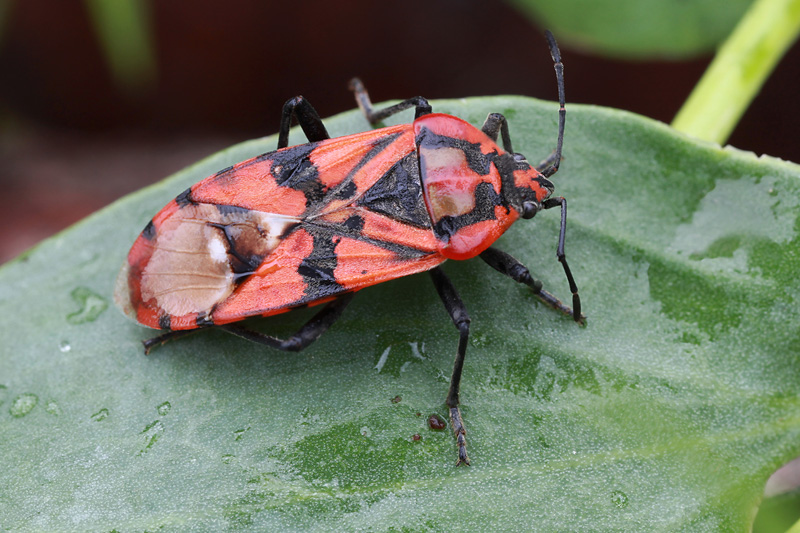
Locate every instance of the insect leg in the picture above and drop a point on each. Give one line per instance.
(511, 267)
(549, 166)
(496, 124)
(307, 117)
(306, 335)
(458, 313)
(576, 301)
(373, 116)
(149, 344)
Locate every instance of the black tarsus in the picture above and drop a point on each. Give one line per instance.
(458, 313)
(307, 118)
(573, 287)
(421, 105)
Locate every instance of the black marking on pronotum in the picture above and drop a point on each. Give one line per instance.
(506, 165)
(486, 199)
(149, 231)
(185, 198)
(318, 267)
(398, 194)
(477, 161)
(164, 322)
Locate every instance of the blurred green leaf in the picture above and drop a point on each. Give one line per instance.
(668, 411)
(638, 29)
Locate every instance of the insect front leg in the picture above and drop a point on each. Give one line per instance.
(549, 166)
(365, 104)
(306, 335)
(573, 287)
(511, 267)
(307, 117)
(458, 313)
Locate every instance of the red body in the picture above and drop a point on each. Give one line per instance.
(304, 224)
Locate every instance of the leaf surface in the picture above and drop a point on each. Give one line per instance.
(669, 410)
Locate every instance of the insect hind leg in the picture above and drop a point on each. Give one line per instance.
(305, 336)
(307, 117)
(421, 105)
(164, 338)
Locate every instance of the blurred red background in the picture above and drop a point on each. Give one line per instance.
(73, 140)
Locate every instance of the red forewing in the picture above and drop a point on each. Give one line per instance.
(293, 227)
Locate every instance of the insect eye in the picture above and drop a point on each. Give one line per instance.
(519, 158)
(529, 209)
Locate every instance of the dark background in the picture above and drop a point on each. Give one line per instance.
(73, 140)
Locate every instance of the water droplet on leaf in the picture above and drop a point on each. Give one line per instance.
(23, 404)
(52, 408)
(164, 408)
(619, 499)
(91, 305)
(102, 414)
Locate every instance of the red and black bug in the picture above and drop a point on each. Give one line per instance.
(314, 223)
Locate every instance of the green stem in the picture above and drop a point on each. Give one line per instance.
(123, 27)
(739, 69)
(795, 528)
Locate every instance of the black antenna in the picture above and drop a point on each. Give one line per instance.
(562, 113)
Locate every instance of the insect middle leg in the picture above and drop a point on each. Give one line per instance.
(374, 116)
(458, 313)
(496, 124)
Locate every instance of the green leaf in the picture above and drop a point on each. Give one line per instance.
(638, 29)
(669, 410)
